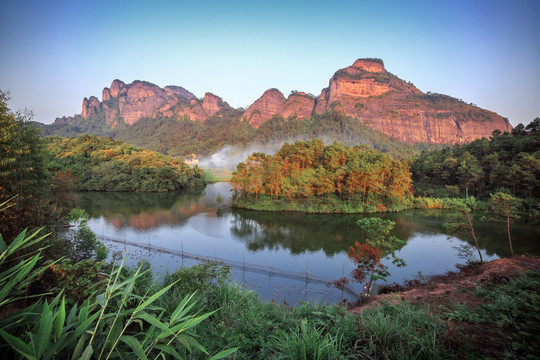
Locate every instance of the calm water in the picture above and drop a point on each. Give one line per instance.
(282, 256)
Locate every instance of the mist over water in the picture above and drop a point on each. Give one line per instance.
(230, 156)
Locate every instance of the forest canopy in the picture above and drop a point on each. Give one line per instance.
(104, 164)
(307, 169)
(508, 161)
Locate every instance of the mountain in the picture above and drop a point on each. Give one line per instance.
(382, 101)
(364, 91)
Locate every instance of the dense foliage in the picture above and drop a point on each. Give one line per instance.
(333, 126)
(24, 176)
(507, 160)
(310, 169)
(103, 164)
(183, 137)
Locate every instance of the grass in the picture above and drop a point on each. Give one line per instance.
(508, 319)
(402, 331)
(217, 175)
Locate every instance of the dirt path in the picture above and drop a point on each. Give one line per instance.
(454, 287)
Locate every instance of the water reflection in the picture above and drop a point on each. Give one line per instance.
(300, 243)
(143, 211)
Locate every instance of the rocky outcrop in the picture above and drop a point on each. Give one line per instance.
(211, 104)
(105, 94)
(116, 87)
(140, 99)
(388, 104)
(272, 102)
(365, 91)
(90, 107)
(180, 91)
(298, 104)
(269, 104)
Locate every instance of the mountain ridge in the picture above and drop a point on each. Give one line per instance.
(365, 91)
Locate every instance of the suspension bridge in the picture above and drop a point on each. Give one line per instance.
(249, 267)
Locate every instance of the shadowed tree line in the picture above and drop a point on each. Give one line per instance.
(508, 162)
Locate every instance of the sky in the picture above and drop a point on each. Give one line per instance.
(55, 53)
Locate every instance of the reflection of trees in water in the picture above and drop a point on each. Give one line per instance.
(142, 210)
(335, 233)
(491, 235)
(296, 231)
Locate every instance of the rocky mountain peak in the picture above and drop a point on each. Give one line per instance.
(269, 104)
(90, 107)
(116, 87)
(211, 104)
(369, 65)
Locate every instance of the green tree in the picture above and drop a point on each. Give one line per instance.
(23, 174)
(469, 172)
(379, 244)
(505, 206)
(462, 223)
(84, 242)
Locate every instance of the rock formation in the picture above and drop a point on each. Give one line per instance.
(142, 99)
(365, 91)
(381, 100)
(269, 104)
(90, 107)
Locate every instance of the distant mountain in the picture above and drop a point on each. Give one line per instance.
(382, 101)
(364, 92)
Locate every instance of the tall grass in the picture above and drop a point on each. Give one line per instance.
(402, 331)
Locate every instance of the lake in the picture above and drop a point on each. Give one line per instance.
(284, 257)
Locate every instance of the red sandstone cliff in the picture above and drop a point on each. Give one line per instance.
(379, 99)
(386, 103)
(365, 91)
(140, 99)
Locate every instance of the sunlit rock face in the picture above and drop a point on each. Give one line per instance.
(365, 91)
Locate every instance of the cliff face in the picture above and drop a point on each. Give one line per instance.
(365, 91)
(90, 107)
(384, 102)
(269, 104)
(381, 100)
(141, 99)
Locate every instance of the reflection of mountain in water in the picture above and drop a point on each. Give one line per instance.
(335, 233)
(143, 211)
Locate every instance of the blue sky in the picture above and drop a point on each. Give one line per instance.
(55, 53)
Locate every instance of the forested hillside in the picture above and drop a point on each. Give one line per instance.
(103, 164)
(506, 161)
(183, 137)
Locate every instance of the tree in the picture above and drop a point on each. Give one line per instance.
(469, 172)
(379, 244)
(462, 223)
(505, 206)
(23, 173)
(83, 240)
